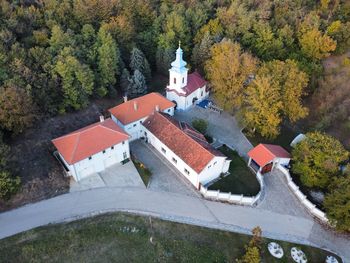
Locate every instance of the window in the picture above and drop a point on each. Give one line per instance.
(134, 125)
(215, 163)
(174, 160)
(163, 150)
(209, 166)
(123, 142)
(201, 93)
(183, 80)
(112, 148)
(124, 155)
(146, 134)
(187, 171)
(104, 151)
(169, 110)
(174, 80)
(90, 157)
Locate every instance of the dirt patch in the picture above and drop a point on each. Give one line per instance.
(31, 154)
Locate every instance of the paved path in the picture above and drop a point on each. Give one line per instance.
(117, 175)
(171, 206)
(164, 177)
(221, 126)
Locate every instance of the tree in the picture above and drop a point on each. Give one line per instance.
(138, 61)
(314, 44)
(17, 111)
(59, 39)
(200, 125)
(261, 106)
(107, 62)
(252, 250)
(200, 52)
(125, 81)
(4, 152)
(138, 84)
(77, 81)
(291, 82)
(316, 159)
(227, 70)
(337, 203)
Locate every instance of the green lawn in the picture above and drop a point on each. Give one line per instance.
(120, 237)
(284, 139)
(144, 172)
(241, 179)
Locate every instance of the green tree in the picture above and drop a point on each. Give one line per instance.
(227, 70)
(17, 110)
(77, 81)
(337, 204)
(60, 39)
(200, 125)
(107, 62)
(125, 81)
(316, 159)
(200, 52)
(138, 84)
(138, 61)
(252, 250)
(4, 152)
(261, 107)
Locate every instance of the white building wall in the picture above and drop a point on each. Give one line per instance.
(99, 161)
(183, 103)
(135, 129)
(214, 169)
(282, 161)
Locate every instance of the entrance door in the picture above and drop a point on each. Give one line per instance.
(267, 168)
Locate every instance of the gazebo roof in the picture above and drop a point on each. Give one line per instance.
(266, 153)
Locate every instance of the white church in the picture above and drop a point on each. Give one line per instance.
(185, 89)
(98, 146)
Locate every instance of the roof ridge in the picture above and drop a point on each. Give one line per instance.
(119, 132)
(75, 147)
(190, 137)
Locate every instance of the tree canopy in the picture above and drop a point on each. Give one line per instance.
(317, 158)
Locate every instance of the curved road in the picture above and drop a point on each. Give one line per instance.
(175, 207)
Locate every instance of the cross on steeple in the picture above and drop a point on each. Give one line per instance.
(179, 43)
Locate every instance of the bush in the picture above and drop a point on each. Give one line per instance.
(8, 185)
(200, 125)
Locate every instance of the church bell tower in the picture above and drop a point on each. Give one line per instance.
(178, 72)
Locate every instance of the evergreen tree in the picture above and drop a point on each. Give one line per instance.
(200, 53)
(107, 51)
(125, 81)
(138, 61)
(138, 84)
(164, 57)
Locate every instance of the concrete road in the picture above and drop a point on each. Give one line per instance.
(170, 206)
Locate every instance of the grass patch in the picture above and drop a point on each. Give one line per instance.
(241, 179)
(284, 139)
(144, 172)
(121, 237)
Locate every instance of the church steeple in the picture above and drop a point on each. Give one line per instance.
(178, 71)
(179, 64)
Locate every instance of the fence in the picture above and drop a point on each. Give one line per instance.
(313, 210)
(232, 198)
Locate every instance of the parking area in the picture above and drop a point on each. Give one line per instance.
(223, 127)
(164, 177)
(117, 175)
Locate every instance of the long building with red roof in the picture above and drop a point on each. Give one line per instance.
(185, 148)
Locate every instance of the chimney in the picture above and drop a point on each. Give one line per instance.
(135, 105)
(102, 119)
(157, 107)
(125, 97)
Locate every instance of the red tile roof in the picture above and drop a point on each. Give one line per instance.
(182, 139)
(194, 82)
(81, 144)
(145, 105)
(266, 153)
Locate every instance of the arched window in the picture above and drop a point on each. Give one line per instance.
(183, 80)
(174, 80)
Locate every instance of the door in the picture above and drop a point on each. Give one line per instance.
(267, 168)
